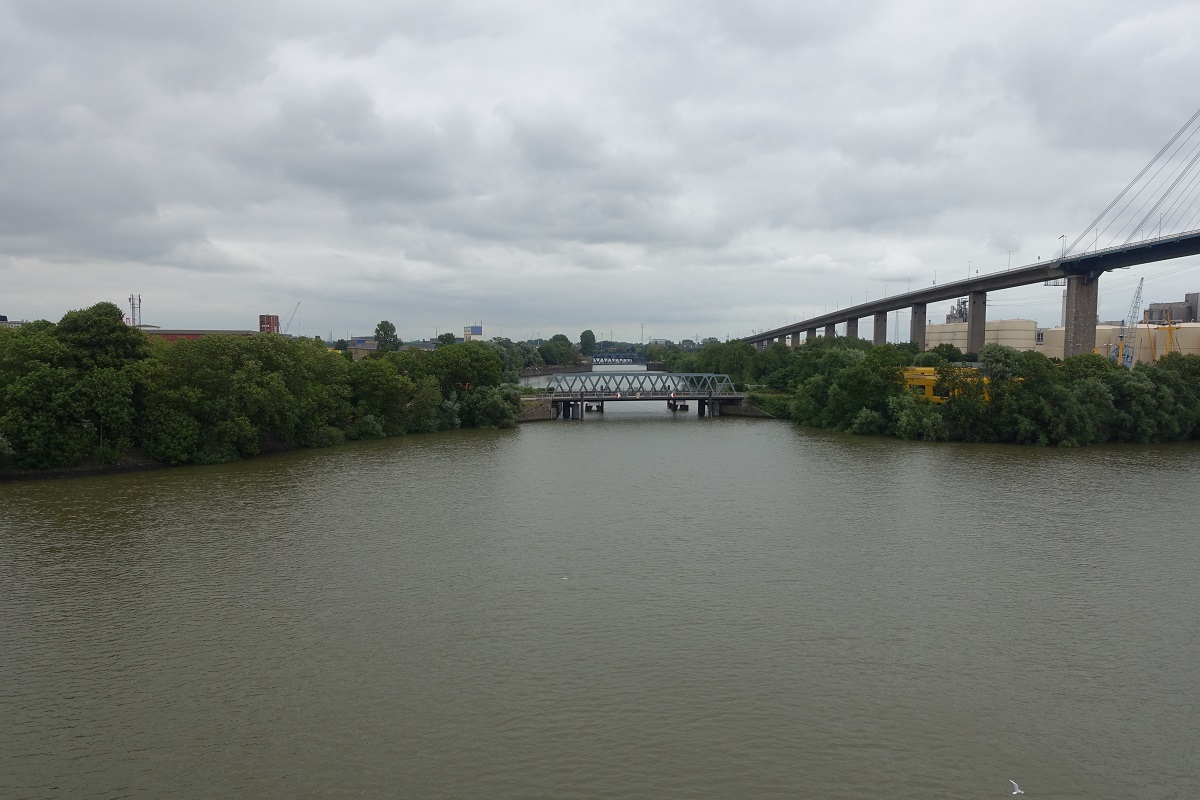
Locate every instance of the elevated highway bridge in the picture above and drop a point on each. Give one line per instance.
(1082, 273)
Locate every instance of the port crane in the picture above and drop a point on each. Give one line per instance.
(1124, 352)
(297, 308)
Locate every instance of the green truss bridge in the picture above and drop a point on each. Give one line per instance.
(572, 394)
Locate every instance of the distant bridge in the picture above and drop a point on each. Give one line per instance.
(710, 392)
(619, 358)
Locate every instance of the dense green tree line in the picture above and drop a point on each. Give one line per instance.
(1012, 396)
(91, 388)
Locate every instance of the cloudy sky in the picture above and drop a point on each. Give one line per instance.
(658, 169)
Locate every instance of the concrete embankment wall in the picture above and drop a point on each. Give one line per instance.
(746, 409)
(557, 369)
(536, 408)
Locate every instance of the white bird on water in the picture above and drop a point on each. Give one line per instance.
(1016, 789)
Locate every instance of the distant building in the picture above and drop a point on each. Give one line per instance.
(174, 335)
(1021, 334)
(268, 323)
(5, 322)
(958, 312)
(1187, 311)
(662, 342)
(361, 347)
(473, 333)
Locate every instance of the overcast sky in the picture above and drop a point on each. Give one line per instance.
(701, 168)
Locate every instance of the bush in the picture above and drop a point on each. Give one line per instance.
(918, 419)
(489, 407)
(777, 405)
(868, 422)
(367, 426)
(324, 436)
(6, 453)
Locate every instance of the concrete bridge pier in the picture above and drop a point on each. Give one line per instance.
(852, 328)
(976, 321)
(810, 334)
(796, 339)
(880, 328)
(1082, 294)
(916, 326)
(831, 330)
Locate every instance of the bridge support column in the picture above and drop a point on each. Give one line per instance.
(810, 334)
(916, 326)
(1081, 315)
(976, 321)
(795, 339)
(830, 331)
(852, 328)
(880, 328)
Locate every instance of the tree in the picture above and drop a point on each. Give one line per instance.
(447, 338)
(587, 342)
(948, 352)
(465, 366)
(386, 340)
(559, 350)
(98, 337)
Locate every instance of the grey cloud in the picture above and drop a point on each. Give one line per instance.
(454, 158)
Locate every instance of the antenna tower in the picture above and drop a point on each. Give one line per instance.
(135, 310)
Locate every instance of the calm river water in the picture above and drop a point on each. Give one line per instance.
(631, 606)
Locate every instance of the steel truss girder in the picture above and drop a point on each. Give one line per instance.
(640, 385)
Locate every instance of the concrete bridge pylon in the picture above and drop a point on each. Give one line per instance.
(1080, 322)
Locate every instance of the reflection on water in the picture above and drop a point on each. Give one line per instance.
(637, 605)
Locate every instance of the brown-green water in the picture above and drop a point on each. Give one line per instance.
(634, 606)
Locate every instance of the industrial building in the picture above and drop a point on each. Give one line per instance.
(1187, 311)
(1148, 340)
(1153, 337)
(1021, 334)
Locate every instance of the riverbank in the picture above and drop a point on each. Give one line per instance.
(132, 462)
